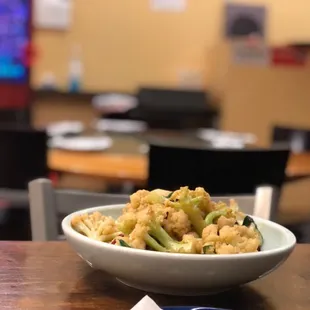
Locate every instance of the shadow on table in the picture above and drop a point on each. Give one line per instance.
(107, 291)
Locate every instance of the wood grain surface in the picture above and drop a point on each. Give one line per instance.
(108, 166)
(299, 165)
(51, 276)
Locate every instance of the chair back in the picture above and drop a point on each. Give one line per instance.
(219, 171)
(48, 205)
(23, 156)
(296, 139)
(175, 108)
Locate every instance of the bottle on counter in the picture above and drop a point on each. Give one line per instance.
(75, 70)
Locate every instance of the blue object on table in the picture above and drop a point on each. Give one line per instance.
(190, 308)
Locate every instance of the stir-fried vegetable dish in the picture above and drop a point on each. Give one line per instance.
(183, 221)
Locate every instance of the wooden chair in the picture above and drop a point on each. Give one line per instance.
(46, 203)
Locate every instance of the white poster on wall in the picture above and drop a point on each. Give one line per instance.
(168, 5)
(244, 53)
(52, 14)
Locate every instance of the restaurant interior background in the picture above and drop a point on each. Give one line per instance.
(124, 45)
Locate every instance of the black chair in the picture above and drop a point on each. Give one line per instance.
(220, 172)
(14, 117)
(175, 108)
(23, 157)
(296, 139)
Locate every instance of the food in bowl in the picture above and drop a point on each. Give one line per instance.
(182, 221)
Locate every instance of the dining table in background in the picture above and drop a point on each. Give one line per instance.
(50, 275)
(127, 160)
(299, 165)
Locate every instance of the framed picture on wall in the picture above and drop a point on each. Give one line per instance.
(244, 20)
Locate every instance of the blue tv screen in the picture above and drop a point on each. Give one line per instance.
(15, 35)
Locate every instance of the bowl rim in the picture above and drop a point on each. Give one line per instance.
(69, 231)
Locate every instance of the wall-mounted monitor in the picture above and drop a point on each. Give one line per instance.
(15, 38)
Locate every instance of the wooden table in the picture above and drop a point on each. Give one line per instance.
(134, 167)
(118, 167)
(52, 276)
(299, 165)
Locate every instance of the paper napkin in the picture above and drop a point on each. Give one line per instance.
(146, 303)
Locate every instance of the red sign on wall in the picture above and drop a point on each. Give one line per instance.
(14, 96)
(288, 56)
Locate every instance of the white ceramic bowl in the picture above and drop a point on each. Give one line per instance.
(181, 274)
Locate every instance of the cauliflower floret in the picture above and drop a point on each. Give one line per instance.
(230, 239)
(176, 223)
(209, 238)
(205, 205)
(137, 224)
(127, 222)
(210, 234)
(176, 195)
(223, 248)
(143, 199)
(161, 192)
(241, 238)
(153, 212)
(231, 210)
(224, 221)
(95, 226)
(197, 242)
(193, 233)
(116, 241)
(137, 201)
(137, 236)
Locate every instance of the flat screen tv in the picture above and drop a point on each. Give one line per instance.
(15, 38)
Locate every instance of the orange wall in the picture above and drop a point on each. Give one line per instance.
(125, 44)
(256, 99)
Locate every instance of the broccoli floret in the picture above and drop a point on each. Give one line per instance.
(215, 214)
(222, 209)
(153, 244)
(124, 243)
(171, 245)
(208, 249)
(148, 230)
(190, 207)
(250, 223)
